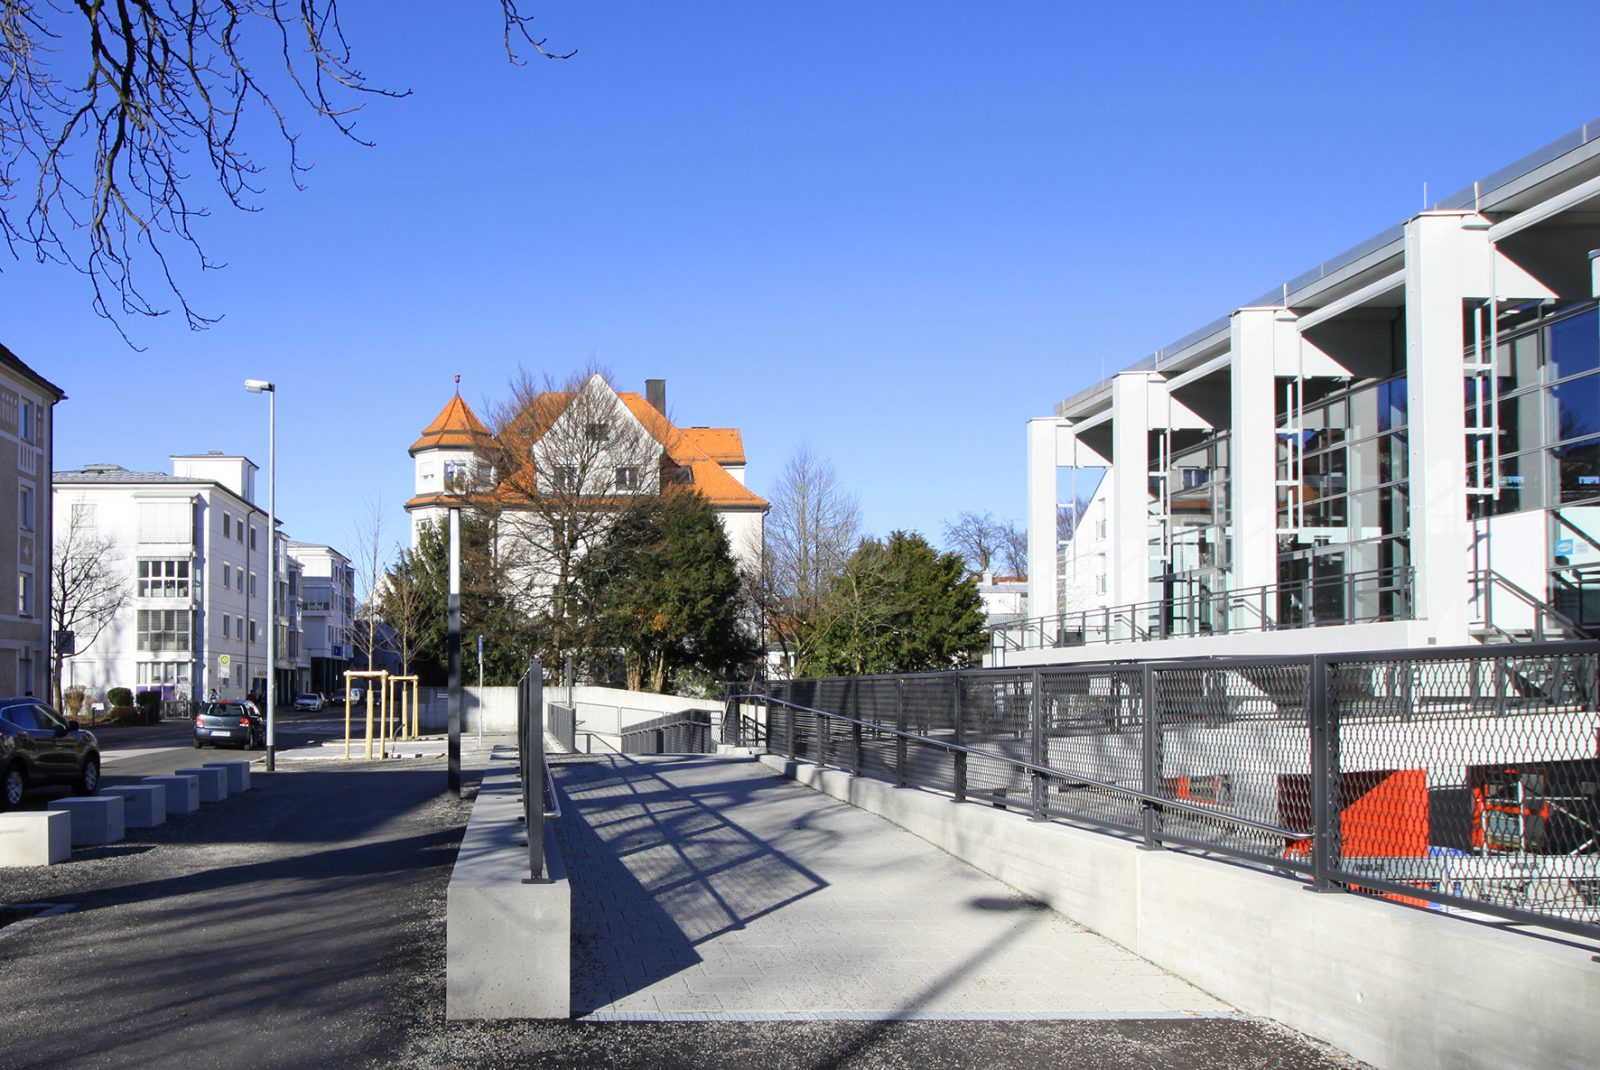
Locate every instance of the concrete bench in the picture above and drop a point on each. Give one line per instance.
(35, 837)
(144, 806)
(238, 775)
(96, 819)
(213, 783)
(183, 792)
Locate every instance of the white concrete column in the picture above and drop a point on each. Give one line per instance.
(1129, 579)
(1252, 449)
(1043, 564)
(1437, 270)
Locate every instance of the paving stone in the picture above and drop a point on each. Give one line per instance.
(711, 886)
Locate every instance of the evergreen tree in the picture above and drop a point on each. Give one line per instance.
(663, 589)
(900, 606)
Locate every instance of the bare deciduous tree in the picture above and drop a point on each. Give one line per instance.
(988, 544)
(403, 606)
(87, 588)
(367, 558)
(810, 533)
(106, 105)
(569, 460)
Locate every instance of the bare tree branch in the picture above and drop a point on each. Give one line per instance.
(88, 590)
(105, 105)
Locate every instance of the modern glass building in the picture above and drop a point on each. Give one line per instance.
(1400, 448)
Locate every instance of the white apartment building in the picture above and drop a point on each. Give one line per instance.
(1399, 448)
(193, 546)
(27, 434)
(327, 614)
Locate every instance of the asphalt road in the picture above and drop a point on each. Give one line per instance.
(302, 924)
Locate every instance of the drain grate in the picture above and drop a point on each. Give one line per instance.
(16, 916)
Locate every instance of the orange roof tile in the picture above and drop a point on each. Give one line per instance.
(455, 426)
(722, 444)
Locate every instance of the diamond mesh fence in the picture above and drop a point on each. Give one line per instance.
(1466, 780)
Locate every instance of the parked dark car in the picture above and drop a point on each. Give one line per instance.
(37, 746)
(237, 724)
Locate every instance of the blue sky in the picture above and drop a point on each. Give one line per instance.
(893, 230)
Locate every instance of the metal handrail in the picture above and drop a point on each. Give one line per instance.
(1488, 579)
(1016, 635)
(1160, 802)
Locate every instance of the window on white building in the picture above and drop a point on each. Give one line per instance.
(628, 478)
(163, 629)
(165, 522)
(566, 477)
(252, 536)
(162, 674)
(227, 574)
(238, 580)
(227, 525)
(252, 581)
(25, 507)
(252, 631)
(27, 421)
(163, 578)
(83, 514)
(25, 594)
(227, 626)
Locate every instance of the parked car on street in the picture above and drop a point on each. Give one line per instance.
(235, 723)
(38, 746)
(311, 701)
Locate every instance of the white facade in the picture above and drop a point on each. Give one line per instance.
(1304, 473)
(327, 613)
(193, 550)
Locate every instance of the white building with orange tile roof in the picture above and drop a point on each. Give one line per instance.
(452, 459)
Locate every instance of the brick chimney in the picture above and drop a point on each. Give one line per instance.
(655, 392)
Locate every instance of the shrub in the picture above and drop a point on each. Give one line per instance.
(149, 706)
(73, 698)
(119, 696)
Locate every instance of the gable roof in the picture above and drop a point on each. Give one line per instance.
(455, 427)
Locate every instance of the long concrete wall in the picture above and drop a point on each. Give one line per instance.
(601, 710)
(1396, 987)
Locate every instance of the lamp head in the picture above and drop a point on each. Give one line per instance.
(258, 386)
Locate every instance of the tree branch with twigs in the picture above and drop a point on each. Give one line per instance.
(114, 114)
(87, 589)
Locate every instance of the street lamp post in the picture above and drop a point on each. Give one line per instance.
(261, 386)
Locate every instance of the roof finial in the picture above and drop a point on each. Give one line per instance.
(458, 384)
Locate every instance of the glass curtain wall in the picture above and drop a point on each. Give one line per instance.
(1189, 548)
(1343, 510)
(1547, 368)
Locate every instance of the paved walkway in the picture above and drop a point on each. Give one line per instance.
(711, 887)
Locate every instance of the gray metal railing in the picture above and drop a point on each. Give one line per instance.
(539, 799)
(738, 728)
(563, 724)
(1466, 778)
(1544, 620)
(1352, 598)
(688, 732)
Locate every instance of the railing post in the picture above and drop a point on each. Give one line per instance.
(855, 748)
(960, 756)
(1037, 781)
(533, 778)
(1324, 780)
(788, 709)
(900, 741)
(1150, 766)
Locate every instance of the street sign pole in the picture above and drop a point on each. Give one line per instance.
(453, 648)
(480, 692)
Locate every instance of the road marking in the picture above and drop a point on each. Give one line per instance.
(905, 1016)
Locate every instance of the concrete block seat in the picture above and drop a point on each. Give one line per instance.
(238, 774)
(213, 783)
(183, 792)
(144, 805)
(35, 837)
(96, 819)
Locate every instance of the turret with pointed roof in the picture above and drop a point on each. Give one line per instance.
(448, 457)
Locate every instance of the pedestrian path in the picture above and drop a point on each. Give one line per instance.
(710, 887)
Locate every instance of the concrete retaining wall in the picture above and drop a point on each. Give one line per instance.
(1396, 987)
(507, 941)
(601, 710)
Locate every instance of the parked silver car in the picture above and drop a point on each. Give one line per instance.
(310, 701)
(38, 747)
